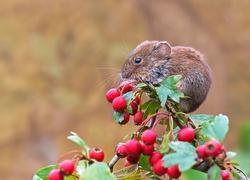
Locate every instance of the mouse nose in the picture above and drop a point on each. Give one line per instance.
(126, 74)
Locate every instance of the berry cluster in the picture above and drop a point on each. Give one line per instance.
(129, 107)
(163, 154)
(133, 148)
(66, 168)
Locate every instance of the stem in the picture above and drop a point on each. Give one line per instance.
(113, 162)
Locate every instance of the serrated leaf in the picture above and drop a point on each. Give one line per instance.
(118, 116)
(43, 173)
(184, 155)
(98, 170)
(216, 128)
(76, 139)
(171, 81)
(214, 173)
(199, 119)
(169, 89)
(128, 96)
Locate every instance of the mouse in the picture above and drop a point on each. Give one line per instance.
(153, 61)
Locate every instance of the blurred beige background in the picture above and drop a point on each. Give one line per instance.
(58, 58)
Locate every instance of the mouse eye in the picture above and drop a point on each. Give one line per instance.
(138, 60)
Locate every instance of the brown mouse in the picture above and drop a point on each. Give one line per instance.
(153, 61)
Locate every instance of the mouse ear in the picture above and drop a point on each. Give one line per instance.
(163, 48)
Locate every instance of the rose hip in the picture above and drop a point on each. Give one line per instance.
(149, 137)
(126, 117)
(133, 147)
(147, 149)
(133, 159)
(97, 154)
(121, 150)
(67, 167)
(186, 134)
(155, 157)
(119, 103)
(126, 87)
(138, 117)
(55, 174)
(201, 151)
(158, 168)
(213, 148)
(112, 94)
(174, 172)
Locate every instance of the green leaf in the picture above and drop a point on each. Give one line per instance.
(98, 170)
(171, 81)
(118, 116)
(236, 174)
(190, 174)
(169, 89)
(131, 172)
(216, 128)
(129, 109)
(230, 154)
(76, 139)
(164, 147)
(141, 85)
(44, 172)
(150, 107)
(35, 177)
(128, 96)
(144, 162)
(214, 173)
(199, 119)
(81, 167)
(184, 155)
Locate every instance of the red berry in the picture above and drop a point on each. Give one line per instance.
(119, 103)
(121, 150)
(201, 151)
(133, 147)
(112, 94)
(126, 117)
(158, 168)
(186, 134)
(137, 100)
(126, 87)
(97, 154)
(213, 148)
(134, 107)
(174, 172)
(149, 137)
(127, 163)
(67, 167)
(155, 157)
(133, 159)
(225, 175)
(55, 174)
(138, 118)
(147, 150)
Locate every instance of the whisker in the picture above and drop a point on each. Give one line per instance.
(125, 45)
(110, 79)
